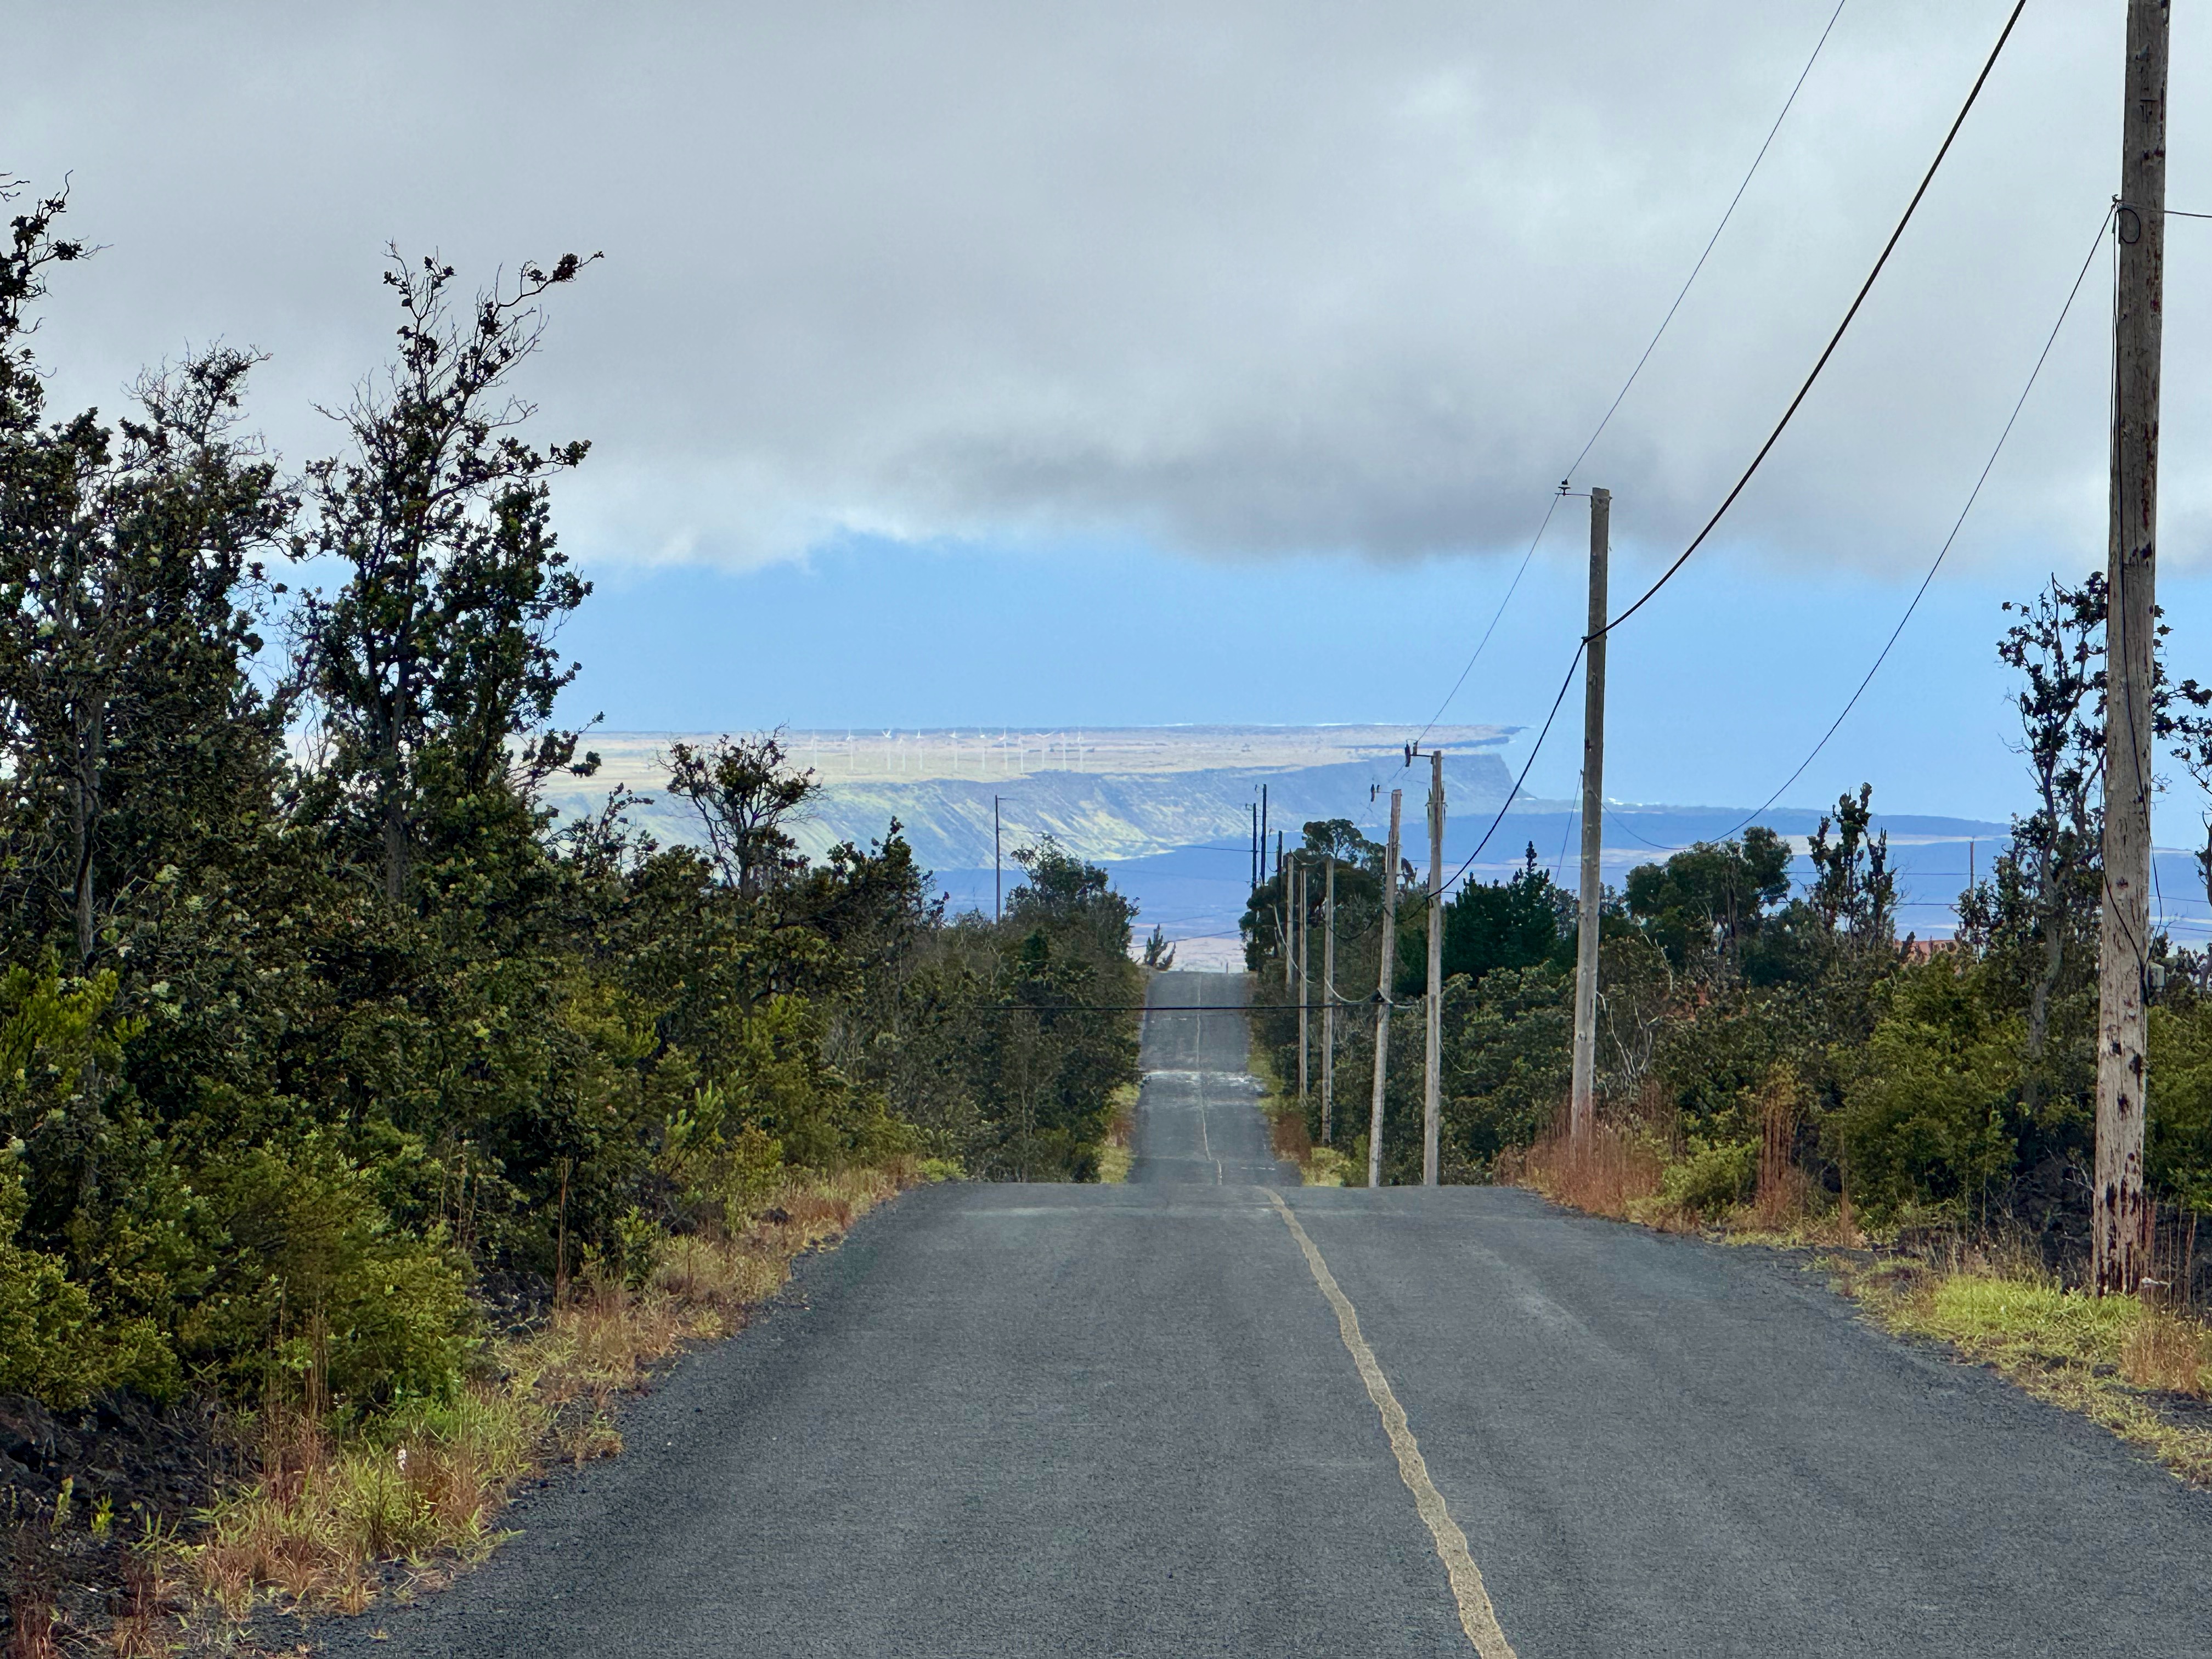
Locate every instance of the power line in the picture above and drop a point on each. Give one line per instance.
(1798, 86)
(1972, 496)
(1566, 833)
(1513, 793)
(1613, 407)
(1615, 819)
(1837, 339)
(1773, 438)
(1511, 588)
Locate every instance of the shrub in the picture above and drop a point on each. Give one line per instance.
(1714, 1176)
(1924, 1121)
(311, 1269)
(2178, 1130)
(51, 1343)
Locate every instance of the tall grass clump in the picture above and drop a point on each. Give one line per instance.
(424, 1481)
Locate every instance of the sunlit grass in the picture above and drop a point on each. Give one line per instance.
(2109, 1358)
(1118, 1154)
(2103, 1356)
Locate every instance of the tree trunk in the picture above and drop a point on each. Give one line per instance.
(395, 845)
(84, 825)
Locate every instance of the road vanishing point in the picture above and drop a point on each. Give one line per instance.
(1213, 1413)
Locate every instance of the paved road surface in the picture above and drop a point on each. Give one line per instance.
(1047, 1421)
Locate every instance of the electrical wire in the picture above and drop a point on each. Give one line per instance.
(1837, 339)
(1949, 137)
(1614, 819)
(1513, 793)
(1713, 241)
(1613, 407)
(1496, 616)
(1566, 833)
(1958, 524)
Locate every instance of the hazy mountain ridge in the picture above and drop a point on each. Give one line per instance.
(1140, 791)
(948, 821)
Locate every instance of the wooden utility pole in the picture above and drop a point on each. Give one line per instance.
(1263, 834)
(1433, 1033)
(1328, 999)
(1382, 993)
(2121, 1244)
(1301, 928)
(1283, 912)
(998, 865)
(1582, 1112)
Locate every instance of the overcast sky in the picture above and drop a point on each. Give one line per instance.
(908, 304)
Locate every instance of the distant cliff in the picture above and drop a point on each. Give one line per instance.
(1095, 815)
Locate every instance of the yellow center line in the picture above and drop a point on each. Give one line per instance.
(1476, 1616)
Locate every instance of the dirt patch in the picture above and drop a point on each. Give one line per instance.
(84, 1496)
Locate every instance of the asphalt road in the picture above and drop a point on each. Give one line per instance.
(1131, 1420)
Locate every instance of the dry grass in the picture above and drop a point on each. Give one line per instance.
(2111, 1359)
(31, 1625)
(2170, 1353)
(1116, 1155)
(1622, 1172)
(424, 1484)
(1318, 1166)
(1617, 1172)
(1287, 1133)
(2114, 1359)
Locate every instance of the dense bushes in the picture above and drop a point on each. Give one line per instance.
(310, 1013)
(1761, 1040)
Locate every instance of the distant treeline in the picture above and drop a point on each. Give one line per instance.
(1759, 1040)
(310, 1012)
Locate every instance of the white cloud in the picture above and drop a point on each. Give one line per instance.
(1240, 278)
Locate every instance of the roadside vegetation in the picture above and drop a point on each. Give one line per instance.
(1117, 1151)
(1287, 1131)
(2137, 1366)
(366, 1129)
(1777, 1062)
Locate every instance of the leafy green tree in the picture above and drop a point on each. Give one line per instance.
(1508, 1044)
(744, 791)
(1708, 902)
(1524, 922)
(1854, 891)
(432, 667)
(310, 1012)
(2036, 917)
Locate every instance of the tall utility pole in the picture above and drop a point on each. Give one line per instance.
(1328, 999)
(1263, 833)
(998, 865)
(1301, 928)
(1255, 845)
(1582, 1109)
(1382, 993)
(1432, 1054)
(1282, 911)
(2122, 1217)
